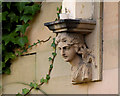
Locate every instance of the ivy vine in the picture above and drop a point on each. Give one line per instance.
(43, 80)
(15, 42)
(15, 21)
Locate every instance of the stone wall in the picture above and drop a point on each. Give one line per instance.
(28, 68)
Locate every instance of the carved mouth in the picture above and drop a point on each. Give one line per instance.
(65, 57)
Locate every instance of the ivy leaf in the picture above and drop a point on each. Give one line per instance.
(54, 40)
(20, 6)
(35, 85)
(61, 7)
(7, 26)
(57, 8)
(25, 90)
(45, 80)
(26, 18)
(4, 14)
(18, 53)
(58, 14)
(47, 77)
(9, 55)
(42, 80)
(39, 41)
(56, 19)
(7, 70)
(13, 17)
(31, 84)
(10, 37)
(19, 94)
(53, 45)
(22, 28)
(51, 66)
(54, 54)
(35, 44)
(3, 64)
(31, 9)
(22, 41)
(50, 58)
(8, 4)
(29, 46)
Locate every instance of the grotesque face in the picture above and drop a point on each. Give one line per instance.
(68, 52)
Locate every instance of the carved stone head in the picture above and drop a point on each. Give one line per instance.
(73, 49)
(70, 44)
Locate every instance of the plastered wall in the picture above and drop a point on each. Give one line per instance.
(28, 68)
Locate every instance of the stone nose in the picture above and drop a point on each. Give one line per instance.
(62, 52)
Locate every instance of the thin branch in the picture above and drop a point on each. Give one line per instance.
(49, 72)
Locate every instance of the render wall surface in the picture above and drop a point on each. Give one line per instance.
(28, 68)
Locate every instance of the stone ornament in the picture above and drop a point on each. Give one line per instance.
(75, 51)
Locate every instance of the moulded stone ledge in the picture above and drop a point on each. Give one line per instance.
(72, 25)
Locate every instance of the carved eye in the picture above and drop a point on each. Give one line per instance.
(64, 40)
(59, 48)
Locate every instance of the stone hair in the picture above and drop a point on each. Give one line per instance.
(77, 40)
(70, 38)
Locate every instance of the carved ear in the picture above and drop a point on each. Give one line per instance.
(76, 48)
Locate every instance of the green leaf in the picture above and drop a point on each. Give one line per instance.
(8, 4)
(31, 9)
(25, 90)
(19, 94)
(13, 17)
(39, 41)
(22, 28)
(58, 14)
(47, 77)
(4, 14)
(61, 7)
(51, 66)
(22, 41)
(35, 85)
(26, 18)
(56, 19)
(54, 40)
(25, 50)
(7, 70)
(10, 37)
(57, 8)
(31, 84)
(29, 46)
(54, 54)
(20, 6)
(45, 80)
(9, 55)
(3, 64)
(50, 58)
(7, 26)
(42, 80)
(53, 45)
(18, 53)
(35, 44)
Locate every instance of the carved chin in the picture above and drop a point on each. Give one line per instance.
(66, 60)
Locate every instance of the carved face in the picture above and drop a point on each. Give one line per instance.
(68, 52)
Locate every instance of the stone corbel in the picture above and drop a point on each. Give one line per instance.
(73, 40)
